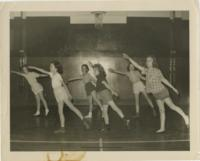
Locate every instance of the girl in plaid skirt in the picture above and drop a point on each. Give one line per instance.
(155, 82)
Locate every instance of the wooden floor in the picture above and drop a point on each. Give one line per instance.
(30, 133)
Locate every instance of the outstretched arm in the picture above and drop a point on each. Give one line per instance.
(167, 83)
(39, 69)
(116, 72)
(18, 73)
(141, 76)
(110, 88)
(74, 79)
(67, 90)
(141, 68)
(43, 75)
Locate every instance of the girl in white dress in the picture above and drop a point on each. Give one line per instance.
(36, 88)
(61, 94)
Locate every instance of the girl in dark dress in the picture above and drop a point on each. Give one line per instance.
(104, 94)
(90, 86)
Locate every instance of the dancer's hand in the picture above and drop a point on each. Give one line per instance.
(125, 56)
(90, 63)
(176, 91)
(111, 70)
(31, 67)
(115, 93)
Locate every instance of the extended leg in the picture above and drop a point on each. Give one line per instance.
(177, 109)
(37, 113)
(161, 106)
(44, 103)
(137, 104)
(90, 106)
(149, 102)
(77, 112)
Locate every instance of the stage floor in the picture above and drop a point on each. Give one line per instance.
(30, 133)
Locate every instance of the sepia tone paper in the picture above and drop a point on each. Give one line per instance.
(133, 5)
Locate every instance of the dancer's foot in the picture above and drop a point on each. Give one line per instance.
(105, 128)
(60, 131)
(160, 131)
(85, 123)
(37, 113)
(136, 116)
(89, 115)
(127, 123)
(46, 112)
(187, 121)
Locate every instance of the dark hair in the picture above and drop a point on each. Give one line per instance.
(86, 66)
(58, 66)
(101, 69)
(155, 63)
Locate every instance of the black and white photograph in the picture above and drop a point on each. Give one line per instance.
(99, 80)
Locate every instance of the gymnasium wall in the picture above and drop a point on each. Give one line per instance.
(54, 38)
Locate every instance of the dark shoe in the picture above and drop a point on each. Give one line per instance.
(136, 116)
(105, 128)
(60, 131)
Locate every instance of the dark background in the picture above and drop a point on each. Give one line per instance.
(54, 38)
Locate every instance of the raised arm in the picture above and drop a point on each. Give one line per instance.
(39, 69)
(167, 83)
(91, 66)
(18, 73)
(116, 72)
(93, 78)
(141, 68)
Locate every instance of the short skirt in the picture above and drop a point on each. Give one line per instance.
(164, 93)
(89, 88)
(104, 96)
(36, 88)
(138, 87)
(60, 94)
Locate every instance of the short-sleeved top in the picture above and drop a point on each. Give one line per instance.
(56, 80)
(134, 76)
(31, 77)
(99, 84)
(87, 78)
(154, 80)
